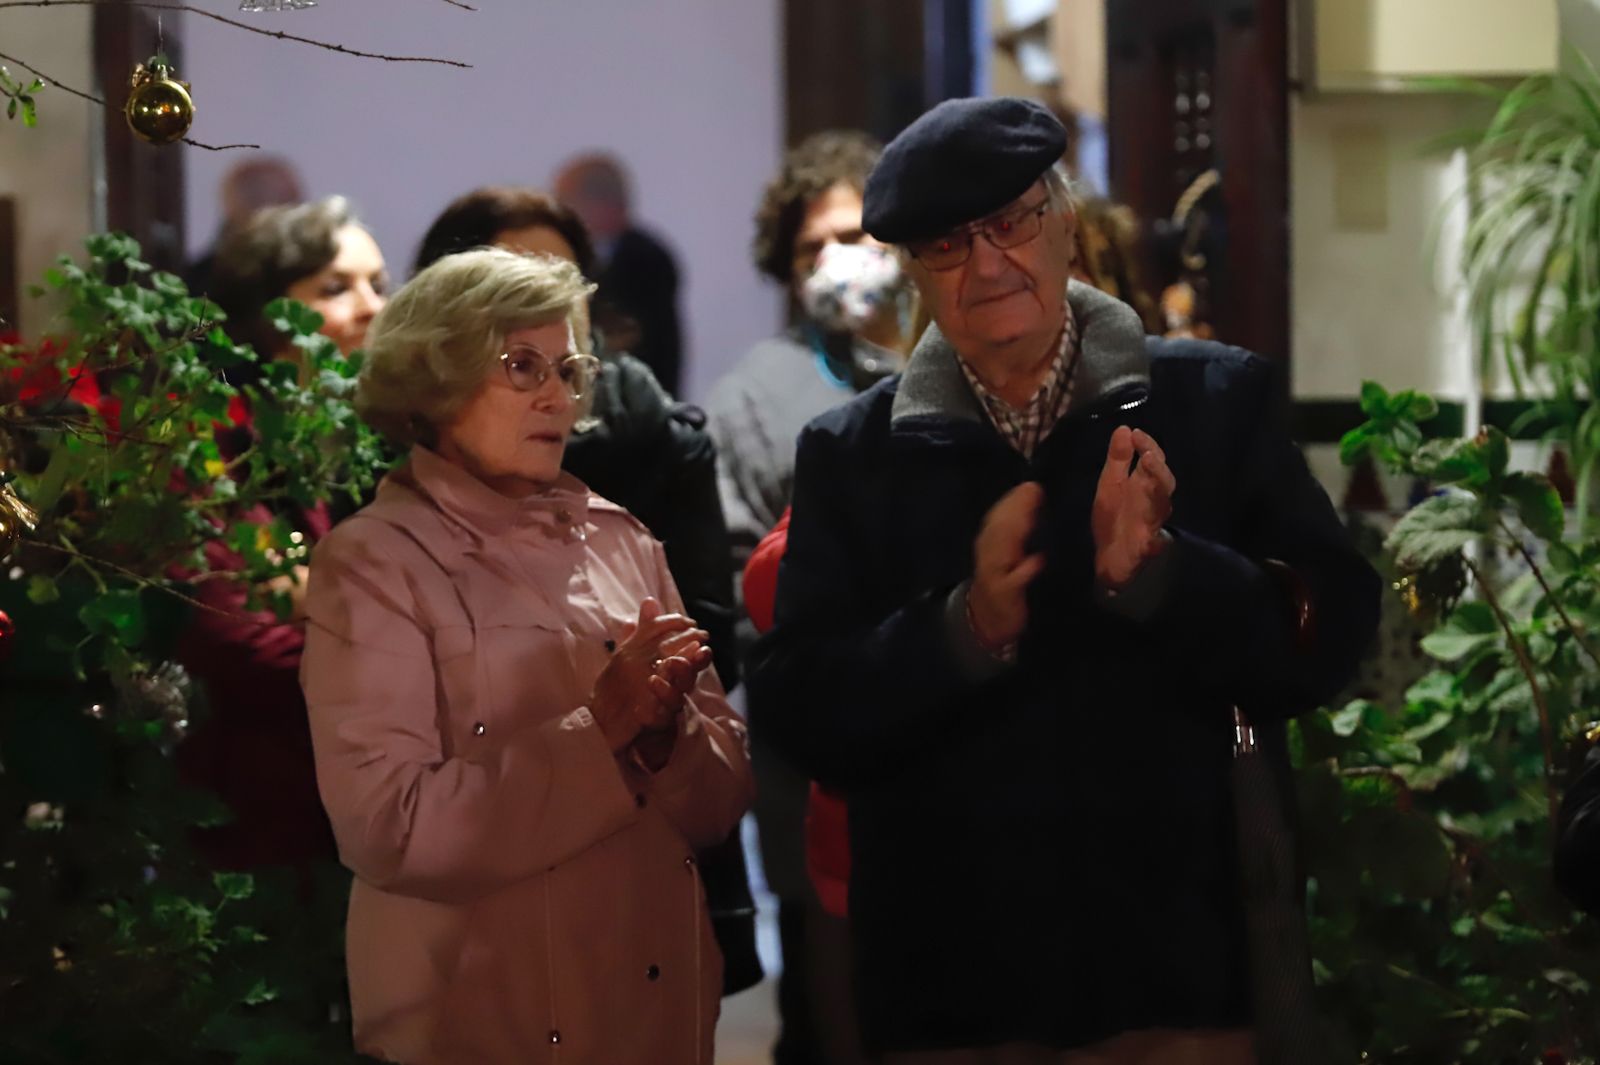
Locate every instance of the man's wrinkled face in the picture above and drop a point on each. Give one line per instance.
(998, 295)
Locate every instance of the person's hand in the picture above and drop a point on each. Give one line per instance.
(639, 688)
(1131, 504)
(1003, 569)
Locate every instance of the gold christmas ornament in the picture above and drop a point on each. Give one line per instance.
(160, 109)
(16, 518)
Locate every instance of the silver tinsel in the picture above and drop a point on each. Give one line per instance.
(163, 695)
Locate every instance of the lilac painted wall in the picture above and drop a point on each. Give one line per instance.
(687, 92)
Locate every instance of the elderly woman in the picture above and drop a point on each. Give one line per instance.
(641, 449)
(518, 740)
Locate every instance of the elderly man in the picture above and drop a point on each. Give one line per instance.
(1027, 582)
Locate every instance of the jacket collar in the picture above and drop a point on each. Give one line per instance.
(485, 513)
(1113, 357)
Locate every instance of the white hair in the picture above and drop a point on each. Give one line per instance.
(1058, 190)
(437, 340)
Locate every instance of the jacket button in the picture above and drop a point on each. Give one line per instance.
(688, 863)
(611, 645)
(555, 1037)
(479, 728)
(563, 515)
(638, 800)
(653, 973)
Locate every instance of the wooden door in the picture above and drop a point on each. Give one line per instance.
(1200, 84)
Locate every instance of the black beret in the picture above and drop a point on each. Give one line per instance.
(960, 161)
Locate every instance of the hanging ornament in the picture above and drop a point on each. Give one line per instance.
(8, 632)
(160, 109)
(275, 5)
(16, 518)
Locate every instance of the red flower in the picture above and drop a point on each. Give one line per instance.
(39, 379)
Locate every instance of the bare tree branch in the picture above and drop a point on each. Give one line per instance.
(216, 147)
(458, 3)
(52, 83)
(150, 5)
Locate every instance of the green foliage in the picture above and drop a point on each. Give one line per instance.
(1438, 934)
(1532, 251)
(18, 96)
(117, 943)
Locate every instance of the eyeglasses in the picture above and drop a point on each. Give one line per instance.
(1006, 230)
(527, 368)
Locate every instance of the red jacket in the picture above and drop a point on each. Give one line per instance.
(827, 825)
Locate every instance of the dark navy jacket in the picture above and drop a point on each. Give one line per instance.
(1578, 846)
(1045, 852)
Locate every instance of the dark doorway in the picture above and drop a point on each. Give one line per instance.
(1197, 85)
(872, 66)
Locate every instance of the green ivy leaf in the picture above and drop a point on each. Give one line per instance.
(1452, 462)
(1355, 445)
(1438, 686)
(1374, 399)
(42, 589)
(1470, 626)
(292, 317)
(1347, 721)
(1436, 529)
(117, 614)
(1422, 407)
(234, 886)
(1538, 504)
(260, 993)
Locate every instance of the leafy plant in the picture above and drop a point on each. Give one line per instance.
(1531, 255)
(1437, 932)
(19, 98)
(122, 429)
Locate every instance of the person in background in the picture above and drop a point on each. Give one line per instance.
(652, 456)
(316, 253)
(637, 301)
(850, 331)
(250, 185)
(254, 749)
(519, 738)
(1027, 583)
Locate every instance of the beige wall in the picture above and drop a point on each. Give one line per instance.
(1370, 298)
(1374, 294)
(47, 169)
(1362, 42)
(1078, 38)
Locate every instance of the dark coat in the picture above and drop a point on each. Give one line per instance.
(1578, 848)
(652, 456)
(638, 285)
(1045, 852)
